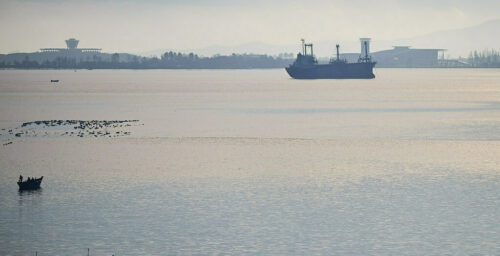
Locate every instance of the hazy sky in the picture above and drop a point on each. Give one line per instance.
(138, 26)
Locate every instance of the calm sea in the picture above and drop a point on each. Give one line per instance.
(253, 162)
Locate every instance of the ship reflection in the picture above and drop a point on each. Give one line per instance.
(22, 192)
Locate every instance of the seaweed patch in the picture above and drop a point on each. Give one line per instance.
(70, 128)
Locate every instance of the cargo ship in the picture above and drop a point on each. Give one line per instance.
(306, 66)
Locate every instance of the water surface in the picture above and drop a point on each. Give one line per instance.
(252, 162)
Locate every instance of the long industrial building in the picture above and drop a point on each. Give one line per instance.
(399, 56)
(406, 57)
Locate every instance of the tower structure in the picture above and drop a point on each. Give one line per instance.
(72, 43)
(71, 48)
(365, 46)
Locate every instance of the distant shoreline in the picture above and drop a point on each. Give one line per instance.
(256, 68)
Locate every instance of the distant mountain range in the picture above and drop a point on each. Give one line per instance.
(457, 42)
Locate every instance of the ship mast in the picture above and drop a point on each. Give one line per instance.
(303, 46)
(338, 55)
(366, 50)
(310, 46)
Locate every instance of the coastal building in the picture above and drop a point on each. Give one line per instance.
(71, 48)
(399, 56)
(62, 56)
(406, 57)
(72, 52)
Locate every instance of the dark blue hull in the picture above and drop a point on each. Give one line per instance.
(30, 184)
(360, 70)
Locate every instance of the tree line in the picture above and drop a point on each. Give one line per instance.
(484, 59)
(169, 60)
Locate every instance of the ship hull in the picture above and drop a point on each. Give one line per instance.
(361, 70)
(30, 185)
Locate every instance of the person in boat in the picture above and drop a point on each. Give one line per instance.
(20, 178)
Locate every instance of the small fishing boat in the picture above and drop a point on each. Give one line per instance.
(30, 183)
(54, 81)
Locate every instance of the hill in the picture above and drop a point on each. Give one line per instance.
(458, 42)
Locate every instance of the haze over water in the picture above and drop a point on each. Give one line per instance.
(253, 162)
